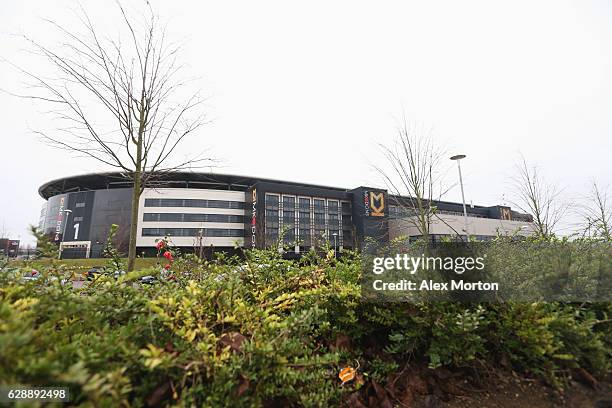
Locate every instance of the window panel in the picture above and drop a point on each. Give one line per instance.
(319, 205)
(304, 203)
(188, 217)
(288, 202)
(192, 232)
(288, 217)
(272, 200)
(193, 203)
(346, 207)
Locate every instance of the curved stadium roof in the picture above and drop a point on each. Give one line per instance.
(103, 181)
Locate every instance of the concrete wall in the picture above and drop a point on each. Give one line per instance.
(453, 224)
(179, 193)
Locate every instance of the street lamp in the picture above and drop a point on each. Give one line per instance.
(67, 212)
(335, 234)
(458, 158)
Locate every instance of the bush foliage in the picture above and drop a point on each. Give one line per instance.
(264, 331)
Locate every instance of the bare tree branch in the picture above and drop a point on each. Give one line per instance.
(118, 102)
(537, 197)
(595, 212)
(414, 174)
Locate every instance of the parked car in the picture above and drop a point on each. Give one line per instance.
(31, 276)
(148, 280)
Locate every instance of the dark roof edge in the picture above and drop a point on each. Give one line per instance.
(118, 175)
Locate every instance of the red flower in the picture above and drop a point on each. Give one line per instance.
(167, 266)
(168, 255)
(160, 245)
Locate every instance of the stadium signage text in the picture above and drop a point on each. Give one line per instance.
(60, 219)
(254, 220)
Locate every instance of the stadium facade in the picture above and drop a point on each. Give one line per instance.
(218, 211)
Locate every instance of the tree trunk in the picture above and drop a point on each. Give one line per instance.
(134, 221)
(137, 178)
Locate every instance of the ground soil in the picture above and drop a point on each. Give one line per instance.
(481, 387)
(529, 393)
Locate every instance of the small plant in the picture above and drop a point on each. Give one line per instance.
(115, 262)
(44, 247)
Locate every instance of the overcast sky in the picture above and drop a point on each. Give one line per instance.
(305, 91)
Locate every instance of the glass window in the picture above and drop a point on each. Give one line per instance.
(171, 202)
(347, 220)
(180, 217)
(192, 232)
(197, 203)
(219, 232)
(319, 235)
(288, 217)
(289, 236)
(152, 202)
(150, 217)
(304, 236)
(272, 215)
(304, 203)
(288, 202)
(150, 232)
(272, 200)
(272, 231)
(304, 218)
(319, 218)
(171, 217)
(346, 207)
(319, 205)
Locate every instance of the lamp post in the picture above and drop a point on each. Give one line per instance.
(67, 213)
(200, 247)
(335, 234)
(458, 158)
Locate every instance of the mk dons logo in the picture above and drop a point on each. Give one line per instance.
(374, 204)
(377, 204)
(506, 214)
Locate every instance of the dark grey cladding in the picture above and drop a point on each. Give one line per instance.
(90, 217)
(370, 216)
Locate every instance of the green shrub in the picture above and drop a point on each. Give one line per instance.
(263, 330)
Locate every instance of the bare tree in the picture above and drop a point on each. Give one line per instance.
(538, 198)
(415, 163)
(596, 214)
(3, 232)
(118, 101)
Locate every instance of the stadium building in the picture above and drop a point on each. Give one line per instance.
(219, 211)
